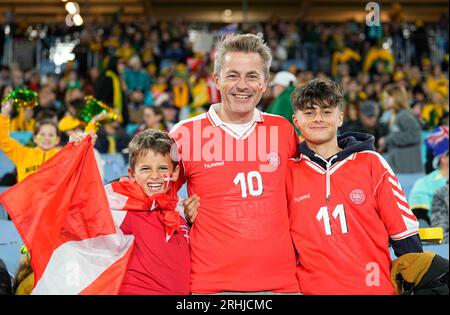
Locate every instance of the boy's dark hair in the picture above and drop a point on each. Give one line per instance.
(321, 92)
(150, 139)
(43, 122)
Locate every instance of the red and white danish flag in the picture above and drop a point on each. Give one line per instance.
(63, 216)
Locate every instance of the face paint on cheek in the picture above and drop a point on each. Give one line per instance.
(167, 178)
(54, 140)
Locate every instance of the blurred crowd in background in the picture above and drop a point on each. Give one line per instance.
(155, 74)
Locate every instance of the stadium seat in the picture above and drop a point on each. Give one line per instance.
(3, 213)
(114, 167)
(21, 136)
(6, 166)
(10, 243)
(407, 181)
(441, 250)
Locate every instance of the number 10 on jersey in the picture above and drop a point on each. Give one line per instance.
(248, 183)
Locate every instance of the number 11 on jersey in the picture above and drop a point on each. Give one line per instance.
(339, 211)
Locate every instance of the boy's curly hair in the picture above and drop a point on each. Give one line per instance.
(321, 92)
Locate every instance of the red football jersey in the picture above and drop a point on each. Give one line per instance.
(342, 243)
(159, 264)
(240, 240)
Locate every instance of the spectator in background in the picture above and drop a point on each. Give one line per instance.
(439, 210)
(24, 280)
(112, 138)
(17, 78)
(368, 120)
(169, 115)
(28, 160)
(434, 110)
(47, 101)
(137, 79)
(34, 81)
(429, 167)
(89, 81)
(5, 280)
(135, 106)
(5, 75)
(153, 119)
(108, 89)
(404, 136)
(420, 41)
(424, 188)
(72, 81)
(282, 85)
(351, 118)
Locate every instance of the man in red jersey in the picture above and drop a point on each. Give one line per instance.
(345, 203)
(234, 157)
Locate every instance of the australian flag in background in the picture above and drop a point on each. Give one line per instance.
(437, 141)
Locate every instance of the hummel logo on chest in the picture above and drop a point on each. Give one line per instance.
(215, 164)
(298, 199)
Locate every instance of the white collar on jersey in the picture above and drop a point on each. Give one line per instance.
(216, 121)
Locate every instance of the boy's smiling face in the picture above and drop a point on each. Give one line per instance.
(319, 125)
(153, 172)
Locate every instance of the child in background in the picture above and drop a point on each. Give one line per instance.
(28, 160)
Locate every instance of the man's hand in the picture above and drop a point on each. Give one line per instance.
(191, 205)
(78, 137)
(7, 107)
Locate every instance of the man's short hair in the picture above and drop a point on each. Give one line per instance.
(321, 92)
(247, 43)
(150, 140)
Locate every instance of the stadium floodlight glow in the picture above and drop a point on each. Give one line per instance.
(77, 20)
(62, 52)
(227, 13)
(72, 7)
(69, 20)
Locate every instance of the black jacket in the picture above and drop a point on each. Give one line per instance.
(5, 280)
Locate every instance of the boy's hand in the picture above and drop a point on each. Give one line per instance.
(7, 107)
(191, 205)
(78, 137)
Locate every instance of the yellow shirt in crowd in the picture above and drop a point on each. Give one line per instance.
(27, 160)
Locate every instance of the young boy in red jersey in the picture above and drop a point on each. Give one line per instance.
(144, 205)
(345, 203)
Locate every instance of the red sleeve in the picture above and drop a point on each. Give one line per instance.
(289, 190)
(293, 141)
(392, 205)
(181, 176)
